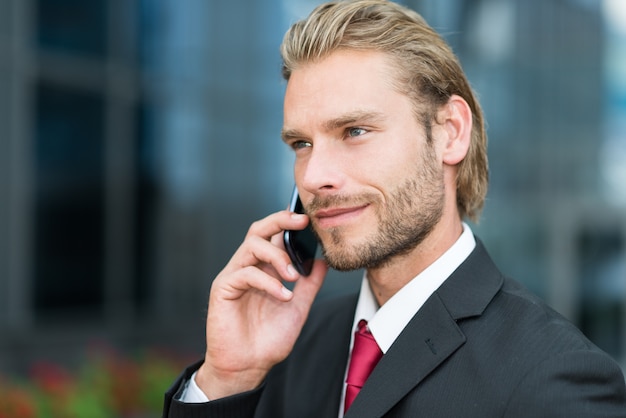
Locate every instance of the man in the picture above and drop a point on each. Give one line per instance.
(390, 158)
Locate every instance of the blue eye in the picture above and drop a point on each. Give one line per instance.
(352, 132)
(296, 145)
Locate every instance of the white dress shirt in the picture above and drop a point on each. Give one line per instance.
(387, 322)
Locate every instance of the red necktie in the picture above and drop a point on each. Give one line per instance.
(365, 355)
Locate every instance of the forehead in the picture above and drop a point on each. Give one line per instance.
(340, 83)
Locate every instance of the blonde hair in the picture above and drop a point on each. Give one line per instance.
(427, 71)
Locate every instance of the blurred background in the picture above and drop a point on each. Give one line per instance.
(139, 139)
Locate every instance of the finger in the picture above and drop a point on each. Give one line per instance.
(258, 252)
(250, 278)
(307, 288)
(276, 223)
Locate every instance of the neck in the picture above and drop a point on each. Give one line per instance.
(387, 280)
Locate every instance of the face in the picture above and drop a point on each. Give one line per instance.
(372, 185)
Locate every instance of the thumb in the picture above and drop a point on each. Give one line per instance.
(306, 288)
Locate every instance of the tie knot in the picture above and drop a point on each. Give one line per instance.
(362, 327)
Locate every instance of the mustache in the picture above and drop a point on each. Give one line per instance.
(334, 201)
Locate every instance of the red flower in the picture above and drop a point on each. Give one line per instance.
(51, 378)
(15, 403)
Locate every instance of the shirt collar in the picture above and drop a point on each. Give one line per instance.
(388, 321)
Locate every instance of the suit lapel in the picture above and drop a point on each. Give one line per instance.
(430, 337)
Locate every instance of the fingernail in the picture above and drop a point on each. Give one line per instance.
(286, 292)
(292, 271)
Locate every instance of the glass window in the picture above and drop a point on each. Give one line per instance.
(72, 25)
(147, 190)
(69, 204)
(5, 19)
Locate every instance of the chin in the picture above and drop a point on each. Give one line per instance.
(341, 263)
(345, 256)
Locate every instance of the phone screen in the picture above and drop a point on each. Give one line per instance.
(301, 245)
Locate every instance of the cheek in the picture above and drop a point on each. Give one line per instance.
(391, 165)
(299, 168)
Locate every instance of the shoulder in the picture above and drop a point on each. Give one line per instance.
(549, 362)
(541, 357)
(519, 324)
(535, 321)
(483, 300)
(574, 383)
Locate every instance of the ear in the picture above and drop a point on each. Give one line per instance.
(456, 119)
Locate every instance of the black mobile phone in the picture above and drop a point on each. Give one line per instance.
(301, 245)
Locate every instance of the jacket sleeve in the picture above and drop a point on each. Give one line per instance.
(571, 384)
(242, 405)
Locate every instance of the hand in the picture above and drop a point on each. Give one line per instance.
(253, 321)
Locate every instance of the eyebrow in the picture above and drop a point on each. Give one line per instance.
(351, 118)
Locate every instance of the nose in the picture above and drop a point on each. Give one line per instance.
(321, 171)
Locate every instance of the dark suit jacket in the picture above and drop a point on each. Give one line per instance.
(481, 346)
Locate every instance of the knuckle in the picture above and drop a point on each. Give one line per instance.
(255, 228)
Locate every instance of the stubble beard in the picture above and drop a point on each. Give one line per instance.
(412, 212)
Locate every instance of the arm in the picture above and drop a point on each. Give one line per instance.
(237, 406)
(253, 321)
(571, 384)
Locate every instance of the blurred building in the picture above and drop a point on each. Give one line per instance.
(139, 139)
(554, 218)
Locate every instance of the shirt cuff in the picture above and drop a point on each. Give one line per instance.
(192, 393)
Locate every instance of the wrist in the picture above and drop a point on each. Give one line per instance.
(217, 384)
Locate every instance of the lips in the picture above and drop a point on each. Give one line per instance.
(333, 217)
